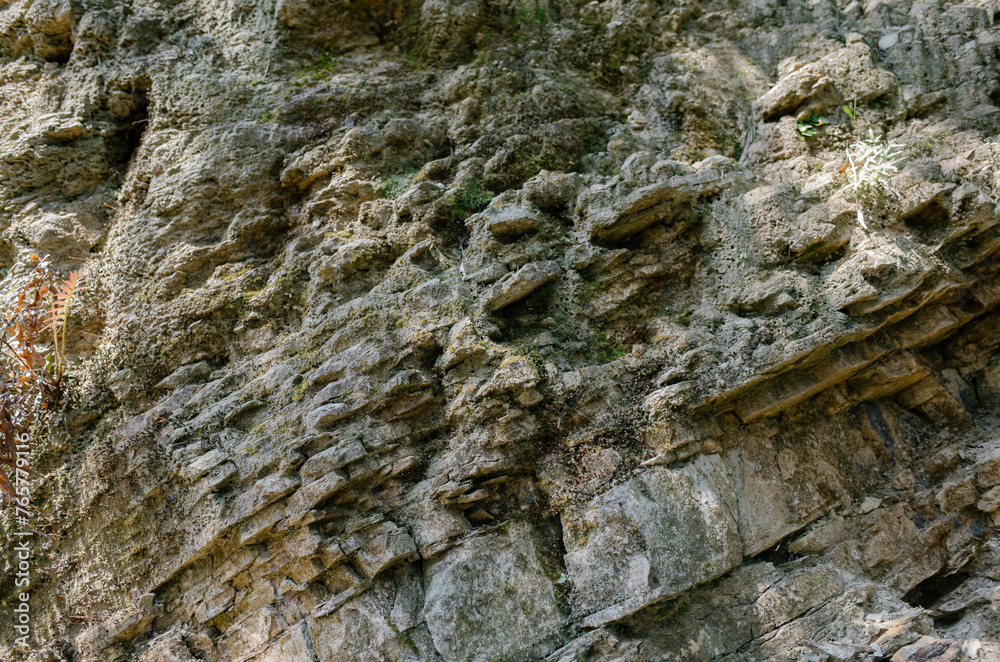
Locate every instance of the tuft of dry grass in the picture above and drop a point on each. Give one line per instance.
(872, 162)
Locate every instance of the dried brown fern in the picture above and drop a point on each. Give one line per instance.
(57, 319)
(30, 375)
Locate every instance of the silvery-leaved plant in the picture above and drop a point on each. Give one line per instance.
(871, 163)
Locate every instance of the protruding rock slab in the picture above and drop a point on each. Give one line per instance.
(638, 211)
(653, 537)
(510, 221)
(850, 71)
(489, 598)
(523, 282)
(930, 649)
(553, 190)
(327, 414)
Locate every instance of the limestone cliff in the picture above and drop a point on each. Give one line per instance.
(444, 330)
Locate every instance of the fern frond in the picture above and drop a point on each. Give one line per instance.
(61, 298)
(34, 307)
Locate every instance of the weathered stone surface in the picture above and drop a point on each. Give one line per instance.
(822, 230)
(203, 464)
(553, 190)
(803, 591)
(463, 344)
(653, 204)
(323, 416)
(820, 538)
(987, 471)
(955, 496)
(263, 493)
(215, 602)
(312, 493)
(989, 501)
(510, 222)
(385, 547)
(458, 330)
(930, 649)
(360, 630)
(520, 284)
(169, 647)
(335, 457)
(490, 598)
(186, 374)
(849, 73)
(294, 644)
(656, 516)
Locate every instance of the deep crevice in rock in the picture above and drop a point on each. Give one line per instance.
(127, 138)
(934, 589)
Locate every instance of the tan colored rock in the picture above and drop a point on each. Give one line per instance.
(783, 602)
(169, 647)
(360, 629)
(850, 71)
(930, 649)
(988, 472)
(989, 500)
(553, 190)
(652, 204)
(903, 630)
(263, 493)
(215, 602)
(311, 494)
(289, 415)
(510, 222)
(203, 464)
(520, 284)
(820, 538)
(385, 547)
(186, 374)
(955, 496)
(294, 644)
(332, 458)
(326, 414)
(822, 230)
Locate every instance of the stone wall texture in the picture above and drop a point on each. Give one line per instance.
(506, 330)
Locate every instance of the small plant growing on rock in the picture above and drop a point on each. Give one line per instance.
(393, 186)
(471, 199)
(807, 127)
(322, 68)
(35, 310)
(871, 163)
(57, 320)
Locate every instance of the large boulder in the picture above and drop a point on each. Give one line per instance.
(490, 598)
(656, 535)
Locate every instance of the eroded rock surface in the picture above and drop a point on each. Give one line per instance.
(442, 330)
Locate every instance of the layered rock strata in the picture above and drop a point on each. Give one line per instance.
(481, 330)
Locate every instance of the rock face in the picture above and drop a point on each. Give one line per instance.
(473, 330)
(491, 599)
(655, 536)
